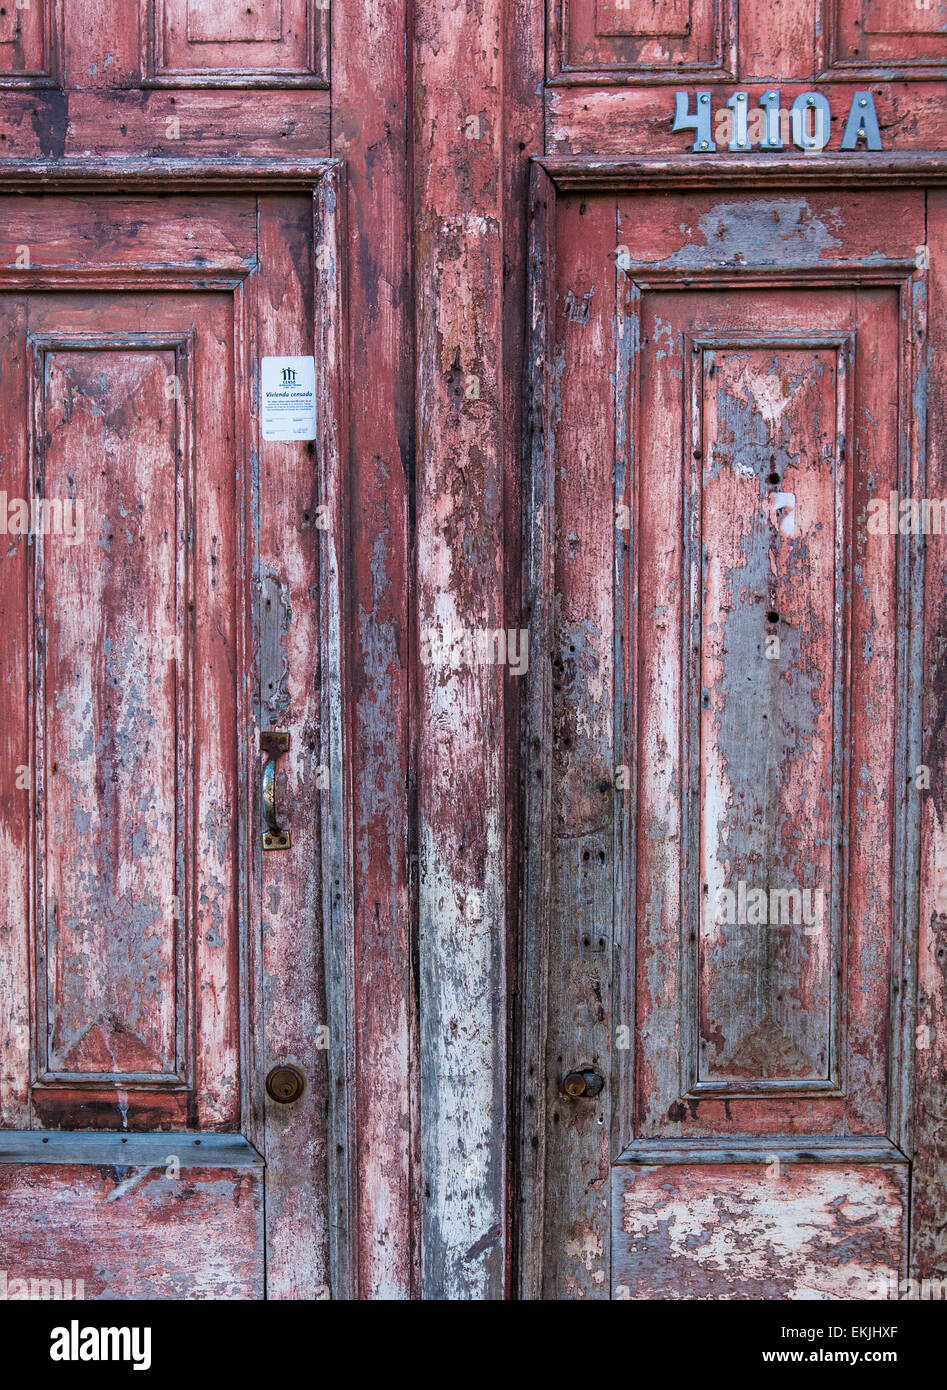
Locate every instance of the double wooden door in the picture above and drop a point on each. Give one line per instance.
(602, 953)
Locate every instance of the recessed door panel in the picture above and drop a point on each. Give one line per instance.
(134, 911)
(763, 651)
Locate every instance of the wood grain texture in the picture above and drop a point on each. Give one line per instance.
(133, 1232)
(390, 926)
(460, 709)
(329, 242)
(108, 688)
(15, 792)
(172, 1031)
(522, 138)
(929, 1238)
(29, 48)
(103, 1066)
(772, 428)
(774, 374)
(137, 1150)
(776, 42)
(370, 100)
(287, 697)
(539, 520)
(268, 43)
(667, 39)
(582, 760)
(128, 234)
(759, 1232)
(602, 123)
(878, 37)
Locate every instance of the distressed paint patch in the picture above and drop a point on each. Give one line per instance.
(765, 231)
(754, 1231)
(134, 1234)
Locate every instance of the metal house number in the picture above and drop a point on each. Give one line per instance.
(768, 126)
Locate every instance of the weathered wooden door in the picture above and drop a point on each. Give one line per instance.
(733, 876)
(165, 605)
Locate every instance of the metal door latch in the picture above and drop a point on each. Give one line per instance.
(272, 744)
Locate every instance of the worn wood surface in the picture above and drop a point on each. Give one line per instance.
(760, 422)
(582, 762)
(329, 241)
(371, 108)
(539, 519)
(132, 1232)
(132, 1149)
(113, 1042)
(522, 139)
(770, 424)
(460, 589)
(433, 1152)
(602, 123)
(759, 1232)
(285, 696)
(143, 766)
(929, 1145)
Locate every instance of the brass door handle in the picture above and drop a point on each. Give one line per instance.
(272, 744)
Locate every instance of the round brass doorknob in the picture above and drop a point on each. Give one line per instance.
(285, 1083)
(582, 1083)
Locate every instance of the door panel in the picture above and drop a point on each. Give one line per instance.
(729, 935)
(741, 1231)
(163, 610)
(135, 717)
(137, 1232)
(780, 648)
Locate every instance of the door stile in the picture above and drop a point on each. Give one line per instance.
(335, 627)
(540, 409)
(929, 1144)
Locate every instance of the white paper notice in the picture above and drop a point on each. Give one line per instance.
(288, 390)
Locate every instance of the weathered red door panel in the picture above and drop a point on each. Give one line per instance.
(725, 369)
(136, 1232)
(796, 1231)
(775, 707)
(156, 963)
(134, 715)
(726, 907)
